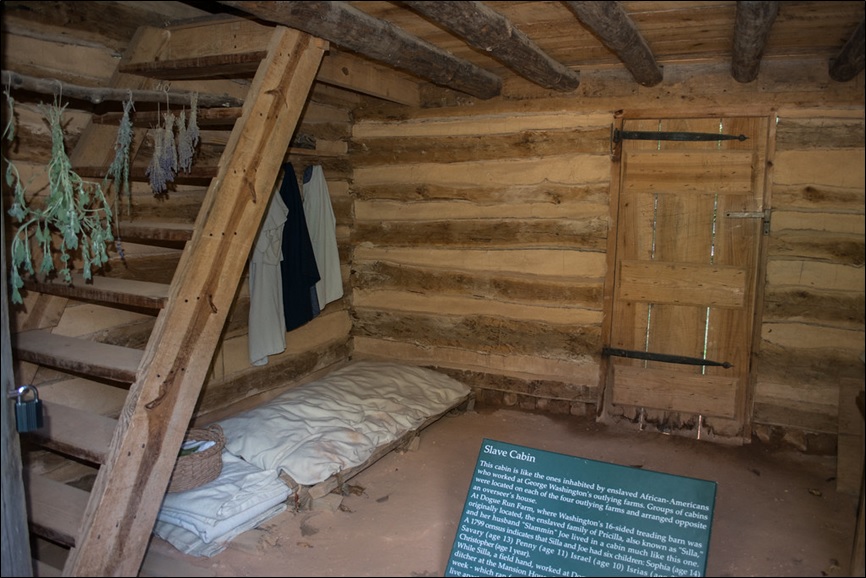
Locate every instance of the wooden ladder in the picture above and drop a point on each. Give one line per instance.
(108, 528)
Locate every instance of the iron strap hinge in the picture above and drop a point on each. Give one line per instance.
(664, 357)
(621, 135)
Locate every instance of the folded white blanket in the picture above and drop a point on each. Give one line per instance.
(190, 543)
(242, 493)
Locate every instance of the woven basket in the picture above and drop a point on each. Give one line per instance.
(196, 469)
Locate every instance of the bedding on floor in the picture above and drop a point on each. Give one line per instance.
(308, 434)
(201, 521)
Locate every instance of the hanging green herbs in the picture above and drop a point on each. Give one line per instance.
(75, 209)
(119, 169)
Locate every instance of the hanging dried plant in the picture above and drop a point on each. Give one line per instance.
(13, 178)
(119, 169)
(75, 209)
(163, 164)
(184, 153)
(155, 171)
(188, 135)
(170, 150)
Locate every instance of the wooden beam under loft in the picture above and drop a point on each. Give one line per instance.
(240, 48)
(347, 27)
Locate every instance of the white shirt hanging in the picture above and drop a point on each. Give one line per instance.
(267, 323)
(322, 226)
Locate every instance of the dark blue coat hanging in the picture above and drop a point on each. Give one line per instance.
(300, 273)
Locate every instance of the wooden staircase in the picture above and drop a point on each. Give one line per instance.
(108, 528)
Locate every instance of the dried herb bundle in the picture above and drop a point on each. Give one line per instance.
(119, 169)
(169, 155)
(76, 209)
(188, 135)
(163, 164)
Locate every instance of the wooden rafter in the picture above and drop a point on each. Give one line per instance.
(849, 62)
(610, 23)
(497, 36)
(351, 29)
(751, 30)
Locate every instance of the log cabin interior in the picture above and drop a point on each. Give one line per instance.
(647, 212)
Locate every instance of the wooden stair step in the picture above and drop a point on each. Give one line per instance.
(74, 432)
(48, 557)
(105, 290)
(78, 355)
(85, 394)
(156, 230)
(55, 509)
(43, 569)
(200, 175)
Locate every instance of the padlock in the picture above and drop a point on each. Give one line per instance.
(28, 413)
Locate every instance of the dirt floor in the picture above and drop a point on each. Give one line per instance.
(777, 512)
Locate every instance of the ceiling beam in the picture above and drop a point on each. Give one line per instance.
(849, 62)
(496, 36)
(360, 75)
(751, 30)
(351, 29)
(609, 22)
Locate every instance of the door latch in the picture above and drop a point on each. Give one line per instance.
(763, 215)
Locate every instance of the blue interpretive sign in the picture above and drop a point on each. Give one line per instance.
(532, 512)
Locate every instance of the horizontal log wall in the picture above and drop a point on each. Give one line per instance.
(479, 248)
(481, 235)
(812, 332)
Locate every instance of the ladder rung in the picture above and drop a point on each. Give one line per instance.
(85, 394)
(156, 230)
(102, 289)
(78, 355)
(75, 432)
(55, 509)
(201, 175)
(43, 569)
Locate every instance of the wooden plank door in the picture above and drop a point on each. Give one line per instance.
(689, 230)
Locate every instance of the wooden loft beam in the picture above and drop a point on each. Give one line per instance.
(347, 27)
(493, 34)
(234, 46)
(849, 62)
(338, 69)
(216, 66)
(615, 29)
(352, 73)
(342, 70)
(751, 30)
(97, 95)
